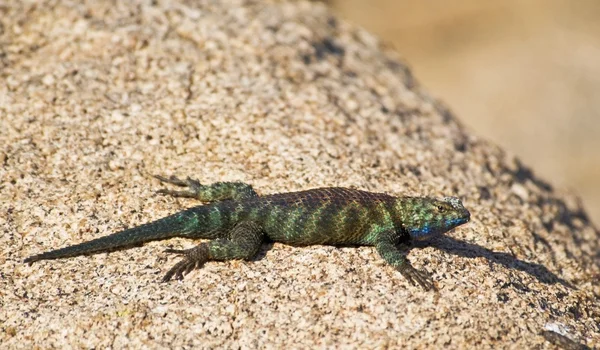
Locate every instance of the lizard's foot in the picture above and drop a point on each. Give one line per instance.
(415, 277)
(218, 191)
(193, 186)
(192, 258)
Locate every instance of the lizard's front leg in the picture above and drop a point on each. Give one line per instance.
(243, 242)
(389, 251)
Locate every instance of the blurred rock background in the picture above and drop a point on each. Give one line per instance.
(523, 73)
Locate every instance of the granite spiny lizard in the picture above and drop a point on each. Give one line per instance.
(238, 221)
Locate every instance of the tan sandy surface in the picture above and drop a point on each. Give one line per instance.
(96, 97)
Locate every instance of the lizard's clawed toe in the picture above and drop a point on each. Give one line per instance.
(425, 282)
(192, 185)
(173, 180)
(193, 258)
(176, 251)
(190, 267)
(176, 272)
(416, 277)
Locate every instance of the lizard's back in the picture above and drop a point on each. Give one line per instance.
(332, 215)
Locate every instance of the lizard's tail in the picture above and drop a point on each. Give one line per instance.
(177, 225)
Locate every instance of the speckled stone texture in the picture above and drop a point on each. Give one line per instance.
(95, 97)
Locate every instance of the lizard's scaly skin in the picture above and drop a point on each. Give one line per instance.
(237, 221)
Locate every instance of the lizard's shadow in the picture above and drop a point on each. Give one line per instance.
(469, 250)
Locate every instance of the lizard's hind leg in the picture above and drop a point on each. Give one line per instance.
(243, 242)
(217, 191)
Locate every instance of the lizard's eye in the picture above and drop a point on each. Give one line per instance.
(440, 208)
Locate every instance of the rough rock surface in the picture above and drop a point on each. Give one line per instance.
(96, 97)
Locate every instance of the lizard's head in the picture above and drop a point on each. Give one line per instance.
(429, 216)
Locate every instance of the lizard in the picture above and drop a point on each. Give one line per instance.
(236, 221)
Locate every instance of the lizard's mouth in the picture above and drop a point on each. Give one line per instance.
(462, 221)
(466, 217)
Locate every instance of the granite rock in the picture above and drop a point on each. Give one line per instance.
(97, 97)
